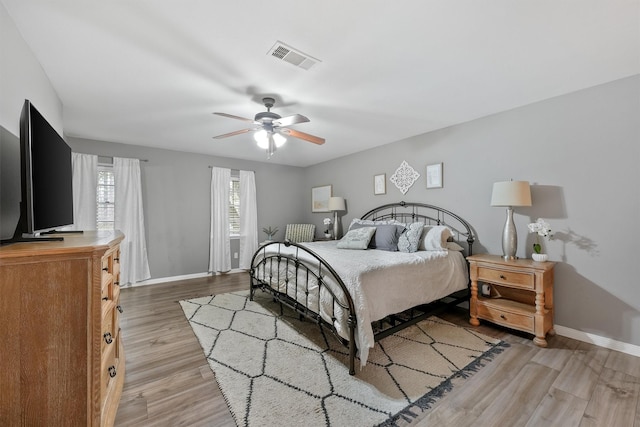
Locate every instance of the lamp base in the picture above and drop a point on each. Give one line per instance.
(509, 237)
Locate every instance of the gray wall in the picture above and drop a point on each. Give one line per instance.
(176, 188)
(580, 152)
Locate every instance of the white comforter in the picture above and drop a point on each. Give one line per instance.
(380, 283)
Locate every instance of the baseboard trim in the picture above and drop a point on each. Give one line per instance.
(183, 277)
(598, 340)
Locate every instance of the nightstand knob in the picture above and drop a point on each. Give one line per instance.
(503, 277)
(502, 317)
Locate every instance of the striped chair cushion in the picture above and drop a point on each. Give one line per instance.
(300, 232)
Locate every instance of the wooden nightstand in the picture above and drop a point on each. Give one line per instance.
(521, 294)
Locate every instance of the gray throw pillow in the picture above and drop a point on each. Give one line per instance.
(386, 236)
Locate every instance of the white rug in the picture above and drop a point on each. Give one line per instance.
(275, 370)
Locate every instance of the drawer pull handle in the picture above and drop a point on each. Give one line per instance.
(116, 259)
(116, 283)
(112, 371)
(503, 317)
(503, 277)
(120, 309)
(105, 269)
(105, 298)
(107, 338)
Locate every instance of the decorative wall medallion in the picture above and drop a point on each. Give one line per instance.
(404, 177)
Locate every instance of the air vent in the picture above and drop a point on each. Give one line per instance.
(292, 56)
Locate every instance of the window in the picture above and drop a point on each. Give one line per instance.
(234, 207)
(105, 198)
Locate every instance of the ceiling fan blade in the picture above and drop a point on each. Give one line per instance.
(302, 135)
(238, 132)
(231, 116)
(290, 120)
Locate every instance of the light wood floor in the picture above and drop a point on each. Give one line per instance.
(570, 383)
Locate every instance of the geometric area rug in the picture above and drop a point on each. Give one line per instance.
(276, 370)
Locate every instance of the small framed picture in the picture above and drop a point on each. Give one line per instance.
(434, 175)
(380, 184)
(320, 198)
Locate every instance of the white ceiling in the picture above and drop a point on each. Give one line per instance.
(151, 72)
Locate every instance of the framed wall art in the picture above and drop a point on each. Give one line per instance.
(320, 198)
(434, 175)
(380, 184)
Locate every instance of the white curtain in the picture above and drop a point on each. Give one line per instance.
(219, 243)
(129, 218)
(248, 218)
(85, 181)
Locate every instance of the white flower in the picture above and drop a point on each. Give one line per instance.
(541, 227)
(327, 221)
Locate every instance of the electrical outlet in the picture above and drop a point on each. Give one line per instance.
(235, 255)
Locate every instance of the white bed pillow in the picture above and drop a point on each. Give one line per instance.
(436, 238)
(453, 246)
(425, 230)
(370, 222)
(357, 238)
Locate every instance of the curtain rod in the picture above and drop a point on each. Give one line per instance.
(111, 157)
(211, 167)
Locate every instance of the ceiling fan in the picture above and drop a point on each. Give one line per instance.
(271, 129)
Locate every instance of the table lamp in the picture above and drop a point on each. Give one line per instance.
(336, 204)
(510, 194)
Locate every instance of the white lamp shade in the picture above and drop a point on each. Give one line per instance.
(511, 193)
(262, 138)
(336, 204)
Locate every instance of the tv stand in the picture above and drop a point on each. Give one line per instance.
(31, 239)
(20, 237)
(62, 232)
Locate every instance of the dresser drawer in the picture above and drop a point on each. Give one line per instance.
(496, 314)
(116, 263)
(108, 369)
(511, 278)
(109, 330)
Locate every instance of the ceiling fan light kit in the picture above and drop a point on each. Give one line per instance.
(270, 128)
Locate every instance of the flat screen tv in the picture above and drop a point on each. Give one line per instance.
(46, 182)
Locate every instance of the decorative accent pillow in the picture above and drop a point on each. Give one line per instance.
(357, 239)
(436, 238)
(410, 237)
(386, 236)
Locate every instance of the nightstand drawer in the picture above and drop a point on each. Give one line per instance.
(511, 278)
(518, 321)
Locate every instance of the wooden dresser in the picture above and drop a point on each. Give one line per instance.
(60, 346)
(520, 294)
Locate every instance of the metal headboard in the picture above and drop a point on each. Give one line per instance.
(407, 212)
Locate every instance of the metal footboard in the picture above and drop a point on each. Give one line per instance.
(306, 283)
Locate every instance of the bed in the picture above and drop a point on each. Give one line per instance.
(364, 295)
